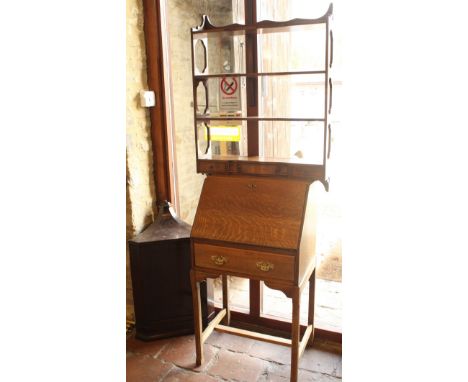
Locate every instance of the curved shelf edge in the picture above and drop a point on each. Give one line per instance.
(206, 24)
(325, 183)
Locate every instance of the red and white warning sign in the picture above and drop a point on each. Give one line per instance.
(229, 95)
(229, 85)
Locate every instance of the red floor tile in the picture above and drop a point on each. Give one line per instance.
(181, 352)
(144, 368)
(151, 348)
(271, 352)
(309, 376)
(238, 366)
(177, 375)
(322, 362)
(230, 342)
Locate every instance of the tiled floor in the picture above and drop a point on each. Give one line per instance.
(227, 358)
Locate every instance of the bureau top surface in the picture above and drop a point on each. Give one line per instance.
(264, 212)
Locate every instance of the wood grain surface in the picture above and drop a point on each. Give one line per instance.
(258, 211)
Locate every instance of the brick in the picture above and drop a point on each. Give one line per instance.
(271, 352)
(273, 378)
(310, 376)
(230, 342)
(181, 352)
(237, 366)
(151, 348)
(321, 361)
(328, 346)
(177, 375)
(143, 368)
(278, 372)
(282, 373)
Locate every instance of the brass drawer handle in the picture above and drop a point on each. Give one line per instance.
(265, 266)
(219, 260)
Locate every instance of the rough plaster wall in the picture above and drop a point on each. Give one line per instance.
(183, 15)
(140, 184)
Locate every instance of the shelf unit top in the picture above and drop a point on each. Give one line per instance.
(263, 26)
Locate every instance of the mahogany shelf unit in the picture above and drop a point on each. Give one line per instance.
(202, 75)
(257, 213)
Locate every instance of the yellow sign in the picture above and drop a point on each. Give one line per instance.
(224, 133)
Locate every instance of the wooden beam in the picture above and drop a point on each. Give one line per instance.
(305, 339)
(254, 335)
(255, 298)
(280, 324)
(155, 72)
(209, 329)
(251, 66)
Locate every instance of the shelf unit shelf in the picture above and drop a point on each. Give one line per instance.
(200, 77)
(257, 159)
(252, 163)
(205, 119)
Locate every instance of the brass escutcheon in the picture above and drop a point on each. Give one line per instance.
(219, 260)
(265, 266)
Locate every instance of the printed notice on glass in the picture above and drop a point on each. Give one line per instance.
(229, 94)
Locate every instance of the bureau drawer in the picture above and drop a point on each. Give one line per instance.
(246, 261)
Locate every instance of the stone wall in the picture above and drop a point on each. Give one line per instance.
(140, 184)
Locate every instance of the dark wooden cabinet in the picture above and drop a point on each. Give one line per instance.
(160, 268)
